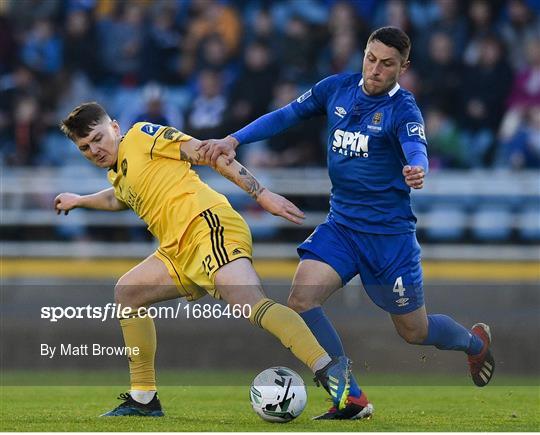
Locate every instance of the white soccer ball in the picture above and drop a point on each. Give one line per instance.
(278, 394)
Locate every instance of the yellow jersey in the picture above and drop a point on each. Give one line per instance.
(161, 189)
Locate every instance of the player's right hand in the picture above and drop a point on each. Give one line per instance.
(211, 149)
(414, 176)
(280, 206)
(66, 202)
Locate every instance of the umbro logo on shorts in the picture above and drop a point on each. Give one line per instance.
(401, 302)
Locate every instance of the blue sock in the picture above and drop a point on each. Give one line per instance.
(328, 338)
(445, 333)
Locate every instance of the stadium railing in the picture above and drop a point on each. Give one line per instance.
(456, 210)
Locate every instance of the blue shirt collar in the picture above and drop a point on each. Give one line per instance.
(391, 93)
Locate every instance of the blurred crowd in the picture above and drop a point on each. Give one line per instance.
(209, 67)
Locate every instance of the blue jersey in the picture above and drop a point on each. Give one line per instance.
(365, 157)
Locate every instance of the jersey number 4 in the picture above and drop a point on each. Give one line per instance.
(398, 287)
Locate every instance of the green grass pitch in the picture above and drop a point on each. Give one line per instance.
(413, 407)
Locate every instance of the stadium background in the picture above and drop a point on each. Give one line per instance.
(209, 67)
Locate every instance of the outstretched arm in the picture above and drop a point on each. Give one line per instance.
(103, 200)
(264, 127)
(239, 175)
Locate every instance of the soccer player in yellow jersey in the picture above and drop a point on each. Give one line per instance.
(204, 244)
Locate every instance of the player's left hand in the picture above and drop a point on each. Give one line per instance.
(280, 206)
(414, 176)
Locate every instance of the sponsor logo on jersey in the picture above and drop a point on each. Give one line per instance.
(133, 200)
(236, 251)
(340, 111)
(376, 118)
(169, 133)
(304, 96)
(416, 129)
(150, 129)
(123, 165)
(349, 143)
(401, 302)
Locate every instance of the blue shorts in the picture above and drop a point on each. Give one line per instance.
(388, 264)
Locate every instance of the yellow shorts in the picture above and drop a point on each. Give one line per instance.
(216, 237)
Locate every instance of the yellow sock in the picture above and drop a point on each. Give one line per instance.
(290, 329)
(140, 334)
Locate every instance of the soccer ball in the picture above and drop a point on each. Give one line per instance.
(278, 394)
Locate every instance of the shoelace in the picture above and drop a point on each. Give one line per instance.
(124, 396)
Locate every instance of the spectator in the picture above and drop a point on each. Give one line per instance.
(446, 149)
(525, 92)
(480, 25)
(155, 109)
(8, 45)
(13, 86)
(313, 12)
(344, 18)
(522, 150)
(81, 45)
(21, 81)
(42, 48)
(122, 37)
(26, 134)
(395, 13)
(343, 55)
(423, 14)
(210, 17)
(298, 51)
(80, 5)
(526, 86)
(412, 81)
(262, 28)
(24, 14)
(521, 26)
(61, 90)
(213, 55)
(449, 20)
(252, 91)
(113, 44)
(442, 74)
(207, 114)
(482, 99)
(162, 46)
(306, 139)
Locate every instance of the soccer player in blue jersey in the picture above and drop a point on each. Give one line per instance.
(376, 154)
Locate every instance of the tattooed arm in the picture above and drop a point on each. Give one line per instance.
(239, 175)
(189, 154)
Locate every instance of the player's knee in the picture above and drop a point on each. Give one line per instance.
(119, 293)
(300, 302)
(413, 335)
(126, 295)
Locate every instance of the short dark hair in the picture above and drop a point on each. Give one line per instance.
(81, 120)
(393, 37)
